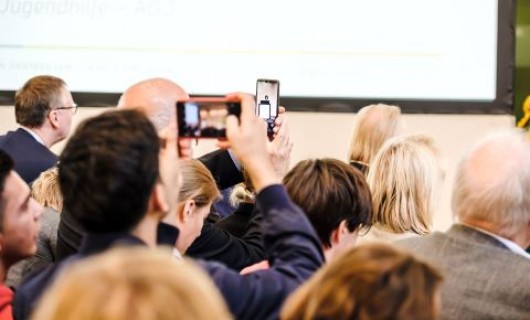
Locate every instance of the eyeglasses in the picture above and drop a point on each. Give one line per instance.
(65, 108)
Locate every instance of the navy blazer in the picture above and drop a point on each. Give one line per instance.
(30, 156)
(28, 294)
(294, 252)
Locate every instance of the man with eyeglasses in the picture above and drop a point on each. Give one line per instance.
(44, 109)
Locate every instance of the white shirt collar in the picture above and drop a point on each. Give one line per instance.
(512, 246)
(34, 135)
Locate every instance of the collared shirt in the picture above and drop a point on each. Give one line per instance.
(512, 246)
(34, 135)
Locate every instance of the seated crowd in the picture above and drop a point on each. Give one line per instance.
(126, 224)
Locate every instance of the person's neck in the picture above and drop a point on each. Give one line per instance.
(521, 239)
(147, 230)
(47, 135)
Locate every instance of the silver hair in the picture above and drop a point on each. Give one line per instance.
(492, 183)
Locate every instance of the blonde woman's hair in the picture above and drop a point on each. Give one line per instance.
(45, 190)
(243, 192)
(132, 284)
(373, 125)
(369, 282)
(198, 183)
(405, 177)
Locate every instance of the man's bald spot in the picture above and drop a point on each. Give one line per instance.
(156, 97)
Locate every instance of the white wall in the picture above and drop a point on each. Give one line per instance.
(327, 135)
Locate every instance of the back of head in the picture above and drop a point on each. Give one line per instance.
(330, 191)
(132, 284)
(156, 98)
(405, 178)
(36, 98)
(373, 125)
(108, 169)
(492, 184)
(45, 189)
(369, 282)
(198, 183)
(6, 166)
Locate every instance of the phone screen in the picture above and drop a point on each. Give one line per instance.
(205, 118)
(267, 98)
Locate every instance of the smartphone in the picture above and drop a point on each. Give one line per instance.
(267, 102)
(205, 117)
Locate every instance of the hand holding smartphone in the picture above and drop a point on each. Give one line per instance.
(267, 102)
(205, 117)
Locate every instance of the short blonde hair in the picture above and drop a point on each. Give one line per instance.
(405, 177)
(45, 190)
(373, 125)
(132, 284)
(369, 282)
(198, 183)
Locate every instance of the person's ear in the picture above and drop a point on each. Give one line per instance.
(186, 211)
(338, 233)
(159, 201)
(54, 119)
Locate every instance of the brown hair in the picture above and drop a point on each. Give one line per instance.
(34, 100)
(132, 284)
(369, 282)
(330, 191)
(198, 183)
(45, 189)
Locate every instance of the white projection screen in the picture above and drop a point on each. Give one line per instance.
(432, 56)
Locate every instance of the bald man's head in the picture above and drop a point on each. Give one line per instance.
(156, 97)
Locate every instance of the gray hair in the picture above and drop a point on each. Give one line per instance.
(492, 183)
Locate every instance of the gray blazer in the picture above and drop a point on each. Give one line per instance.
(45, 250)
(483, 279)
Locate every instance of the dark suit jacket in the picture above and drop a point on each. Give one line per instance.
(28, 294)
(237, 222)
(220, 245)
(30, 157)
(483, 278)
(295, 254)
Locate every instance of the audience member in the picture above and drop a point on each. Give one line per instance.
(289, 238)
(45, 190)
(197, 193)
(370, 282)
(335, 197)
(482, 256)
(44, 109)
(19, 225)
(132, 284)
(373, 125)
(115, 183)
(405, 179)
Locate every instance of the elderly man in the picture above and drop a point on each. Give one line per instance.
(485, 265)
(44, 109)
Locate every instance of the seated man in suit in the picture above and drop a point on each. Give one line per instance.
(483, 258)
(19, 225)
(44, 109)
